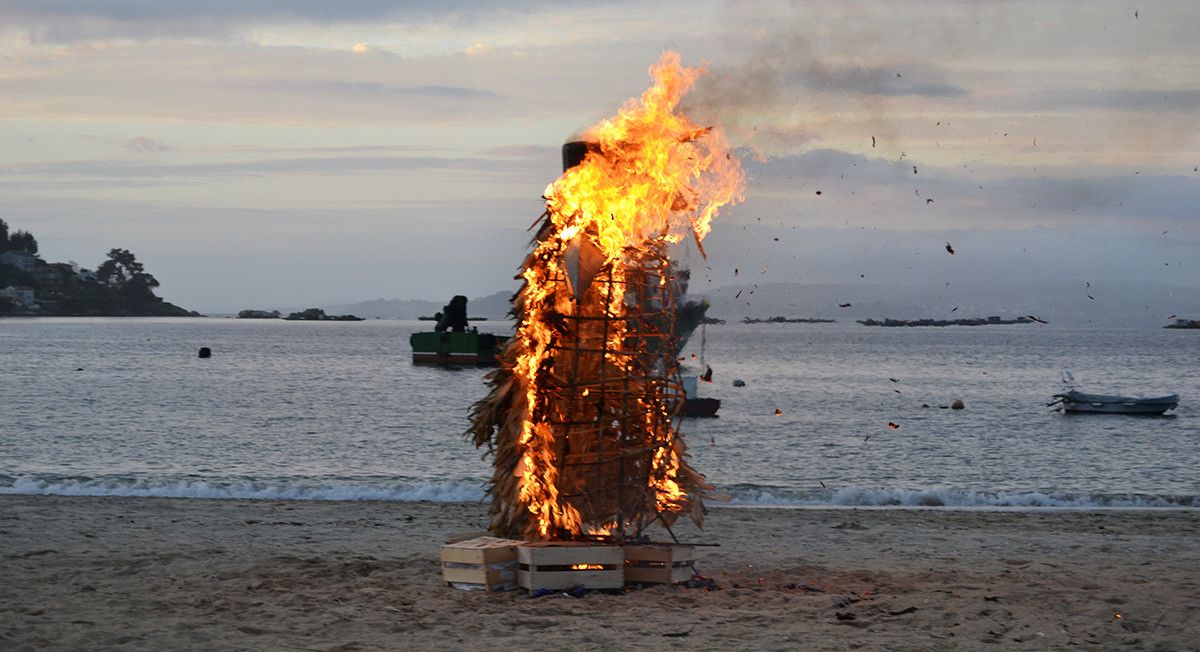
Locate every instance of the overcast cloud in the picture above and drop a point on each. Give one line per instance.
(231, 144)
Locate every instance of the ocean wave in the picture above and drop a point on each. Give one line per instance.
(466, 490)
(283, 489)
(852, 496)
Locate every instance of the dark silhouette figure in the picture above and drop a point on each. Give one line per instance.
(454, 316)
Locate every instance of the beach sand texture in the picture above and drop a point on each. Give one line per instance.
(147, 573)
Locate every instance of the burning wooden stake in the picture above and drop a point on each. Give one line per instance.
(581, 415)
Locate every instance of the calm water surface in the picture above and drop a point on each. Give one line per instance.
(337, 410)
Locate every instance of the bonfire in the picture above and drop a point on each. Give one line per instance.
(581, 418)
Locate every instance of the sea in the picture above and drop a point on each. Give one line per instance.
(337, 411)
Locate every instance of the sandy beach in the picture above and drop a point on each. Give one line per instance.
(146, 573)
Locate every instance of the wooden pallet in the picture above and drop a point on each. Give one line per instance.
(484, 563)
(566, 565)
(659, 563)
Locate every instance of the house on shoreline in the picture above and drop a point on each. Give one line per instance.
(22, 260)
(20, 295)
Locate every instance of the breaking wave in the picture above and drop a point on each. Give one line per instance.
(449, 491)
(472, 490)
(851, 496)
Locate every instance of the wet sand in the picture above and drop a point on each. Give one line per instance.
(147, 573)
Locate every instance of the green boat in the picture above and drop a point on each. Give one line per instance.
(450, 348)
(451, 343)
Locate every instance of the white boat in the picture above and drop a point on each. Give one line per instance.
(1076, 401)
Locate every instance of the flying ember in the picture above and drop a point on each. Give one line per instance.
(581, 417)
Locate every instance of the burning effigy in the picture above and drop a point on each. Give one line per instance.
(582, 415)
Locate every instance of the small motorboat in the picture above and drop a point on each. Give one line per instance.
(1076, 401)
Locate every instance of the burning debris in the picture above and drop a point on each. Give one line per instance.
(581, 415)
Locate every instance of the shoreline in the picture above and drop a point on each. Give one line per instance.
(833, 507)
(148, 573)
(465, 493)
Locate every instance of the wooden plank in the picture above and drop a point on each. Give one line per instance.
(659, 552)
(659, 563)
(555, 580)
(660, 574)
(468, 556)
(479, 575)
(682, 573)
(481, 550)
(568, 553)
(466, 535)
(648, 553)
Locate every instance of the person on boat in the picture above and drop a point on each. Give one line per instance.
(453, 316)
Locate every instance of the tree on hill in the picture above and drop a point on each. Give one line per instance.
(23, 240)
(17, 241)
(122, 271)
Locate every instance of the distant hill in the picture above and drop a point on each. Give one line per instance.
(1117, 303)
(493, 306)
(119, 287)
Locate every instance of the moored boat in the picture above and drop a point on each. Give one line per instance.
(470, 348)
(1076, 401)
(453, 344)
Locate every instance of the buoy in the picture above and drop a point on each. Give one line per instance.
(957, 405)
(205, 352)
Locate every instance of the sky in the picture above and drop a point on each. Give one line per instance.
(287, 153)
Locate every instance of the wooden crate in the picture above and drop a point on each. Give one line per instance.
(659, 563)
(550, 566)
(481, 563)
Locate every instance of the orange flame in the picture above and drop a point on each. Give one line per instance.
(656, 178)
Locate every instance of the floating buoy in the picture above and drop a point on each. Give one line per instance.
(205, 352)
(957, 405)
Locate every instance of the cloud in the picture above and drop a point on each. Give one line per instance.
(59, 174)
(535, 152)
(142, 144)
(71, 21)
(879, 192)
(312, 149)
(1121, 99)
(372, 89)
(245, 82)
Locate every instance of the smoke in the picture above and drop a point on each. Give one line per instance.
(788, 78)
(754, 94)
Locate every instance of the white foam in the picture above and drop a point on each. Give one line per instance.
(852, 496)
(473, 491)
(448, 491)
